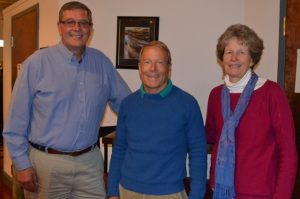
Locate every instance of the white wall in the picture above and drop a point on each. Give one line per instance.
(263, 16)
(48, 16)
(190, 29)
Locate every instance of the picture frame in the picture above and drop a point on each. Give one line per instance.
(132, 34)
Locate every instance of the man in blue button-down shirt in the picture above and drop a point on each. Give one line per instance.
(57, 105)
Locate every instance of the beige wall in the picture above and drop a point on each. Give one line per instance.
(190, 28)
(263, 16)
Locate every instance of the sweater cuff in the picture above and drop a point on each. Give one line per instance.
(113, 191)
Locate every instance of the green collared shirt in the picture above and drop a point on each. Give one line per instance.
(162, 93)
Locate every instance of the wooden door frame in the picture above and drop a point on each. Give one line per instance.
(281, 72)
(282, 43)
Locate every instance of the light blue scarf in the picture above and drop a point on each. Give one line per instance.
(225, 165)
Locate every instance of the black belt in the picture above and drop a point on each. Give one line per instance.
(54, 151)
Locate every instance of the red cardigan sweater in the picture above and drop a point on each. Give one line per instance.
(266, 157)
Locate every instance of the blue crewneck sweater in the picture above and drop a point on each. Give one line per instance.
(154, 135)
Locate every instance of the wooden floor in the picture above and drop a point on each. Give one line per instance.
(5, 190)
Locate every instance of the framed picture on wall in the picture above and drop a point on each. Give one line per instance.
(132, 34)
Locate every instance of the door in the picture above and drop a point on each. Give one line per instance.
(292, 44)
(24, 37)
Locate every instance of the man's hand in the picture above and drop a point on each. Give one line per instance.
(114, 197)
(27, 178)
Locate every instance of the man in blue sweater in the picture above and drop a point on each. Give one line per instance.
(158, 126)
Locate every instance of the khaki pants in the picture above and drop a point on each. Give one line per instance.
(127, 194)
(67, 177)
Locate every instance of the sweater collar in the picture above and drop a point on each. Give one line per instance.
(239, 86)
(162, 93)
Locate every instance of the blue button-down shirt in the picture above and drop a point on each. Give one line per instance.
(59, 101)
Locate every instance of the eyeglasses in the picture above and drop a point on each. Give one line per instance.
(148, 62)
(72, 23)
(239, 53)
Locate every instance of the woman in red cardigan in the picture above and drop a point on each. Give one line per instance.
(250, 124)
